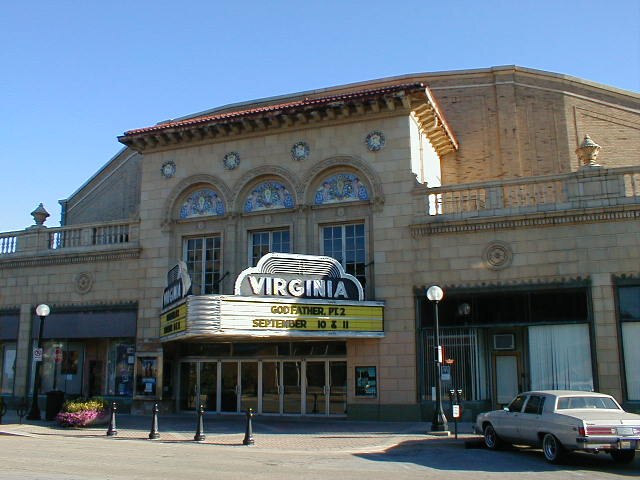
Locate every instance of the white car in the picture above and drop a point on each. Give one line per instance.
(561, 421)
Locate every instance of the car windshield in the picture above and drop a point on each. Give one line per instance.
(566, 403)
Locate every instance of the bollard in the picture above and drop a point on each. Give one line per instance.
(153, 434)
(3, 409)
(22, 410)
(199, 436)
(111, 431)
(248, 436)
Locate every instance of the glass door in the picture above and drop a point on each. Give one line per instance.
(229, 387)
(188, 386)
(337, 387)
(316, 388)
(292, 387)
(271, 387)
(208, 386)
(248, 386)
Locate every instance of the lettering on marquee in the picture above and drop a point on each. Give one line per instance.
(285, 275)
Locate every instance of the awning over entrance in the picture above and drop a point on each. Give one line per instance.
(217, 316)
(88, 324)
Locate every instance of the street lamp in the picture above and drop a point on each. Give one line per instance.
(42, 311)
(439, 422)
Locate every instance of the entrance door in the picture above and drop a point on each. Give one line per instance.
(271, 387)
(188, 386)
(248, 386)
(292, 387)
(289, 387)
(506, 371)
(229, 387)
(316, 391)
(281, 387)
(208, 386)
(337, 388)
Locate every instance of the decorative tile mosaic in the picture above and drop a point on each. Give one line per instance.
(168, 169)
(300, 151)
(375, 141)
(231, 160)
(202, 203)
(267, 196)
(342, 187)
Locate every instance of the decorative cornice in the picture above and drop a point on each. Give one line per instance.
(70, 307)
(531, 220)
(517, 284)
(71, 258)
(414, 98)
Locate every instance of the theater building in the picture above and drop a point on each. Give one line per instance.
(275, 254)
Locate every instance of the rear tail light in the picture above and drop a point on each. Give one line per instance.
(592, 430)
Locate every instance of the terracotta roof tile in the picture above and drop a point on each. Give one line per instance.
(307, 102)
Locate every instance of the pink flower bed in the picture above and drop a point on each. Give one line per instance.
(84, 418)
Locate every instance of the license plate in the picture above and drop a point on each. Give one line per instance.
(625, 444)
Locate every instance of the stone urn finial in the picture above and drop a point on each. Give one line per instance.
(39, 215)
(587, 152)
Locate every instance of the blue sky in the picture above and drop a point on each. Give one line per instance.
(76, 74)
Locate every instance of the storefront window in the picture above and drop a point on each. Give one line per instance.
(629, 307)
(8, 365)
(560, 357)
(62, 367)
(120, 374)
(465, 357)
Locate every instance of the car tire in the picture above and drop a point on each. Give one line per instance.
(491, 439)
(623, 456)
(552, 449)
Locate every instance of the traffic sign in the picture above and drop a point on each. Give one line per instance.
(37, 354)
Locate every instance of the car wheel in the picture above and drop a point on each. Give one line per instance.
(623, 456)
(491, 439)
(552, 448)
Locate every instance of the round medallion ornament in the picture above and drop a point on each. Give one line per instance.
(300, 151)
(168, 169)
(231, 160)
(375, 141)
(497, 255)
(84, 282)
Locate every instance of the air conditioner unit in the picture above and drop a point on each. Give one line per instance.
(504, 341)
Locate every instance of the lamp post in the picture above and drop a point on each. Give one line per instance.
(439, 421)
(42, 311)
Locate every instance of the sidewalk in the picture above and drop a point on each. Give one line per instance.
(281, 433)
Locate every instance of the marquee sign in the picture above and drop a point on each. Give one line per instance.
(299, 276)
(178, 285)
(284, 295)
(175, 320)
(259, 316)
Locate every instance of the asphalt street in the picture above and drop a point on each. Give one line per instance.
(283, 449)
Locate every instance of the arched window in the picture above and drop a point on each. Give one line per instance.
(267, 196)
(201, 203)
(341, 187)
